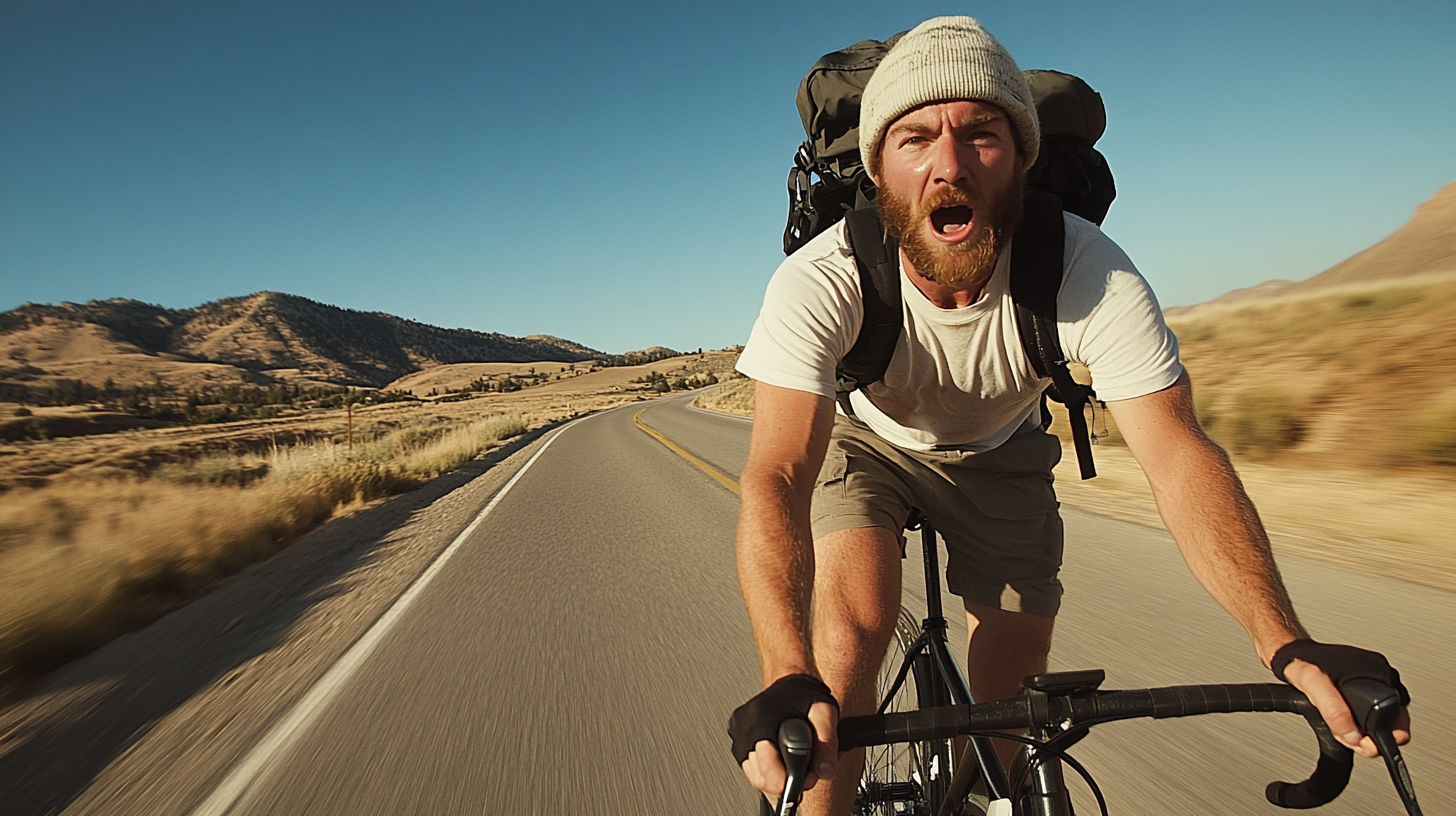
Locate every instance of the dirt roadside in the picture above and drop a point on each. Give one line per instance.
(1393, 524)
(189, 695)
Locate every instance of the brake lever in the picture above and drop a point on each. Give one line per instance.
(1376, 707)
(796, 741)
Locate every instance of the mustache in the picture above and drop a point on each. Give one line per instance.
(953, 196)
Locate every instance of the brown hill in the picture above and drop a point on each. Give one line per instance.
(262, 337)
(1258, 291)
(1356, 376)
(1426, 245)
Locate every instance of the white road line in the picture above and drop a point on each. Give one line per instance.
(267, 753)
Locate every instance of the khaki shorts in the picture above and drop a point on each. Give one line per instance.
(995, 510)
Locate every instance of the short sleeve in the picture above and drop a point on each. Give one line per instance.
(1110, 321)
(811, 314)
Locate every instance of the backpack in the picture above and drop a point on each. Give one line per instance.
(1068, 174)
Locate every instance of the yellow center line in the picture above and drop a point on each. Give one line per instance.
(716, 475)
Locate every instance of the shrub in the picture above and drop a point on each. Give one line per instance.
(1264, 420)
(216, 469)
(1432, 431)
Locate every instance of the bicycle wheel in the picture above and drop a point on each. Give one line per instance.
(907, 779)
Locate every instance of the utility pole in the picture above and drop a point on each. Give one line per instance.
(349, 404)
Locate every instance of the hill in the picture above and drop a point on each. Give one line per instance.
(1424, 247)
(261, 338)
(1350, 367)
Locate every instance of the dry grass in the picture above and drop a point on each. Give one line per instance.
(1386, 522)
(84, 560)
(1349, 377)
(732, 397)
(1431, 432)
(578, 379)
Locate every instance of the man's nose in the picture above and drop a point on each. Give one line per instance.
(948, 161)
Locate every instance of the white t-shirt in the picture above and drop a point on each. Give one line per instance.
(959, 378)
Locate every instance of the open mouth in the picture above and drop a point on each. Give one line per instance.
(952, 223)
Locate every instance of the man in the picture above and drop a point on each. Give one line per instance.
(947, 132)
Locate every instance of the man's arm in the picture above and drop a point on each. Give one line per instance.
(776, 552)
(775, 546)
(1209, 514)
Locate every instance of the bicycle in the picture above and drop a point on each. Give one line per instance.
(913, 769)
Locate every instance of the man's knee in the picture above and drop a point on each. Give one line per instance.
(1015, 632)
(856, 595)
(1005, 647)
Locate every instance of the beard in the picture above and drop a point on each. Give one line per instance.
(970, 262)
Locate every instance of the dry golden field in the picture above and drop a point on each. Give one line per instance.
(1355, 375)
(732, 397)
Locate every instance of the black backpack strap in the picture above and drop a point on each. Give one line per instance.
(1036, 279)
(877, 256)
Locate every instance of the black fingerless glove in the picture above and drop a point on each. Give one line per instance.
(759, 718)
(1340, 664)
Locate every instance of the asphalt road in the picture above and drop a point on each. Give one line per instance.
(580, 650)
(578, 655)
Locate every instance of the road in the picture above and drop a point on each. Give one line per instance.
(579, 650)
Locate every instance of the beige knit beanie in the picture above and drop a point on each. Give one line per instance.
(941, 59)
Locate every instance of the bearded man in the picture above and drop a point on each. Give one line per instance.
(954, 428)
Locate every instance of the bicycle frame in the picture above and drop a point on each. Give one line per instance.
(933, 644)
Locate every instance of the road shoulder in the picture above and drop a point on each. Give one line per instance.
(1392, 524)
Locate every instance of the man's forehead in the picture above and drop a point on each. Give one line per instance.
(966, 112)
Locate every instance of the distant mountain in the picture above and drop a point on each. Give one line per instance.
(1426, 245)
(270, 334)
(1248, 294)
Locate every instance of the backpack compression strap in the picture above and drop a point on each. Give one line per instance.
(877, 256)
(1036, 279)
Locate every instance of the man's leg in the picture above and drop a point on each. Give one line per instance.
(856, 604)
(1004, 648)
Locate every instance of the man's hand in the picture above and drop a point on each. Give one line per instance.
(754, 728)
(765, 769)
(1329, 664)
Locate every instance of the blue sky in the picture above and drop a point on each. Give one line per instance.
(614, 173)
